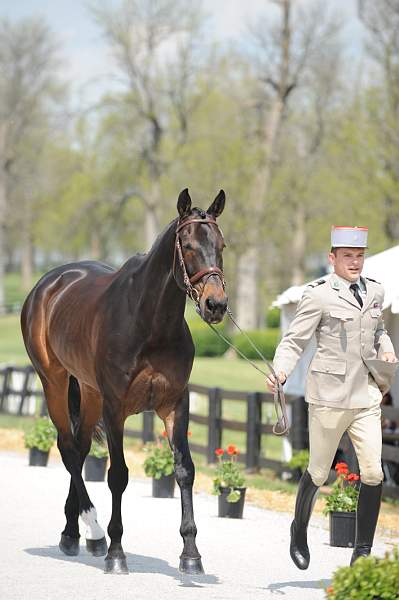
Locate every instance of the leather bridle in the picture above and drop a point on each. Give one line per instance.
(206, 273)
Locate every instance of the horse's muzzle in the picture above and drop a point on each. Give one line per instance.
(213, 310)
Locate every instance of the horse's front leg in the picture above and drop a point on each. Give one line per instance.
(176, 424)
(115, 561)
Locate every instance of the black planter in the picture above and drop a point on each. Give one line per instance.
(38, 458)
(163, 487)
(230, 510)
(95, 468)
(342, 529)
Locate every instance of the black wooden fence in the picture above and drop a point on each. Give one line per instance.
(254, 426)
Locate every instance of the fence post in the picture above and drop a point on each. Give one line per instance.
(299, 426)
(26, 388)
(4, 391)
(148, 426)
(214, 427)
(254, 419)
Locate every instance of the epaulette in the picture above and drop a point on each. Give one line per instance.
(316, 283)
(373, 280)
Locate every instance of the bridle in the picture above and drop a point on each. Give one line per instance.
(206, 273)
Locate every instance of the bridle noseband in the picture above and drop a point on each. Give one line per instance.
(207, 272)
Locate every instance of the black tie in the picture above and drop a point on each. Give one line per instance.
(354, 288)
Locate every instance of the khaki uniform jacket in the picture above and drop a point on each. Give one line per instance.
(350, 340)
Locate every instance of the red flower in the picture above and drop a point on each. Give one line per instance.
(330, 590)
(352, 477)
(231, 450)
(341, 465)
(164, 434)
(219, 451)
(189, 434)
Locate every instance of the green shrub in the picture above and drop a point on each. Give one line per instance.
(159, 462)
(42, 435)
(206, 342)
(98, 450)
(265, 339)
(273, 318)
(299, 460)
(369, 578)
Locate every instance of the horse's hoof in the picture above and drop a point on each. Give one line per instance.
(69, 545)
(191, 566)
(97, 547)
(116, 566)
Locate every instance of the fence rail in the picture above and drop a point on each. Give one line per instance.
(18, 400)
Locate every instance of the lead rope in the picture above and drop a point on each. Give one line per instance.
(280, 405)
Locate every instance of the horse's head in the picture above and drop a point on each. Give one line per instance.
(199, 245)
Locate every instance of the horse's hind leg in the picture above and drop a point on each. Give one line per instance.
(176, 425)
(85, 410)
(56, 392)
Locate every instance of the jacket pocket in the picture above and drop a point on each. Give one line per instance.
(333, 367)
(376, 313)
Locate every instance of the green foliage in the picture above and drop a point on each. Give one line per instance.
(98, 450)
(299, 460)
(228, 474)
(369, 578)
(273, 318)
(344, 494)
(265, 339)
(159, 461)
(206, 342)
(42, 435)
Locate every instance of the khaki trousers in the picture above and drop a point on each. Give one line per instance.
(326, 427)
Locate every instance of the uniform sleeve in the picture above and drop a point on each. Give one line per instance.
(382, 340)
(303, 326)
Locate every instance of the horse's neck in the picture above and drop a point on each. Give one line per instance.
(160, 300)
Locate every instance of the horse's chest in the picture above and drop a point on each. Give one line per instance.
(152, 389)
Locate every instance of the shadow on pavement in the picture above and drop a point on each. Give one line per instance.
(278, 587)
(137, 563)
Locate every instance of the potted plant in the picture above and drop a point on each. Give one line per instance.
(39, 440)
(96, 462)
(228, 483)
(368, 578)
(297, 465)
(159, 465)
(341, 506)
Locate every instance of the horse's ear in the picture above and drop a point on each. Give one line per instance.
(217, 206)
(184, 203)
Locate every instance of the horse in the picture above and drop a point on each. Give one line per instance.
(107, 344)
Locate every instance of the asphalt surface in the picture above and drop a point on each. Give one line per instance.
(243, 559)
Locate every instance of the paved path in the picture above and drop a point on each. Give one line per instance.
(243, 559)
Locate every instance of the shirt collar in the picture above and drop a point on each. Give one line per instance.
(347, 283)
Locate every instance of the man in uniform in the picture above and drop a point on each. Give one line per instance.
(353, 365)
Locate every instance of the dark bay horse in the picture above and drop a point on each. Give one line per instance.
(108, 344)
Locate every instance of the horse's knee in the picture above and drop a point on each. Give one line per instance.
(185, 474)
(118, 477)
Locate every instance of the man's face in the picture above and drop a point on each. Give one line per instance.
(347, 262)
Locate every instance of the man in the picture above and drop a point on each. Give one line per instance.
(353, 365)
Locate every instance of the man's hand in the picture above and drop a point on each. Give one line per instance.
(389, 357)
(271, 381)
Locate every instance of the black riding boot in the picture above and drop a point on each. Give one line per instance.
(368, 507)
(305, 500)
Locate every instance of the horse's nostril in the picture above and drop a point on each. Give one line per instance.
(210, 304)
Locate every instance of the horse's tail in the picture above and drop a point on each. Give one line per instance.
(74, 404)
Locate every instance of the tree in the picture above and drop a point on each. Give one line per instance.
(28, 62)
(285, 54)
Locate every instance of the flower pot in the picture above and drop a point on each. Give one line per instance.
(163, 487)
(231, 510)
(95, 468)
(342, 529)
(38, 458)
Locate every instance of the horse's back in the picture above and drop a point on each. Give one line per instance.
(58, 306)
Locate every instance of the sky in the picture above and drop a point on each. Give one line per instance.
(87, 61)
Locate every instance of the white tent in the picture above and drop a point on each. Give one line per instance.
(383, 267)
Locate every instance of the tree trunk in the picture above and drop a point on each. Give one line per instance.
(3, 205)
(299, 246)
